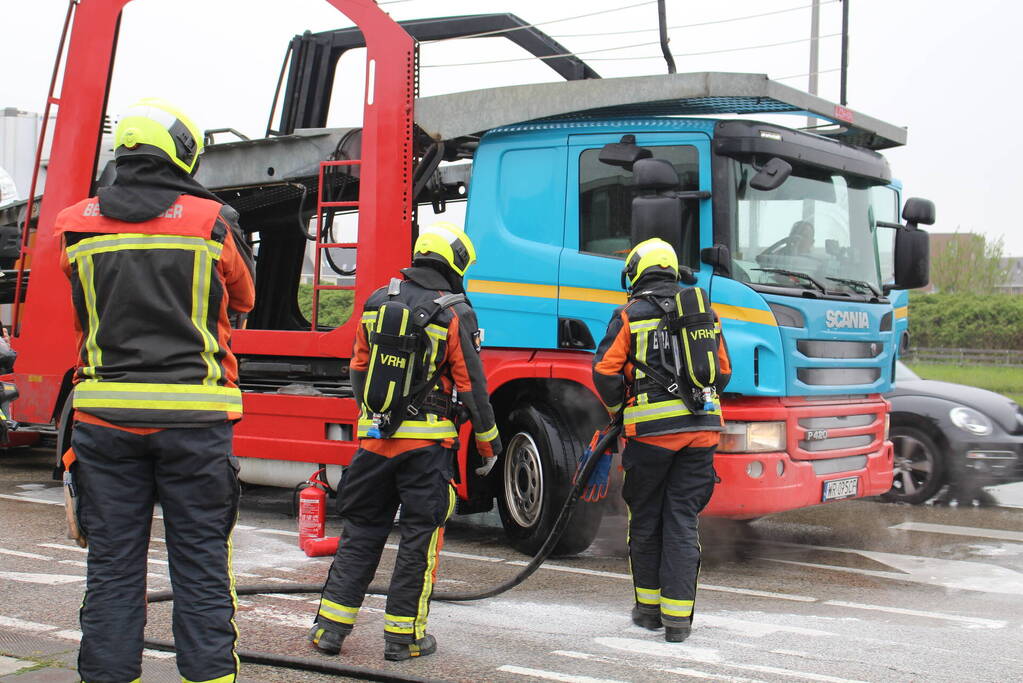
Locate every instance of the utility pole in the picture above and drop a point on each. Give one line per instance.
(815, 31)
(845, 51)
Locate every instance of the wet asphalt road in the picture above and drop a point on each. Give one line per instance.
(851, 591)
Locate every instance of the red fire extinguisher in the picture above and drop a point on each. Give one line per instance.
(312, 510)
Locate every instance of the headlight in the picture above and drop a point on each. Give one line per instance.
(752, 437)
(969, 420)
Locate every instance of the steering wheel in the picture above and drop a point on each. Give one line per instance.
(784, 241)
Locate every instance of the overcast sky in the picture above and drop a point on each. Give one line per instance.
(934, 67)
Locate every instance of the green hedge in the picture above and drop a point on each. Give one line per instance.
(335, 305)
(966, 321)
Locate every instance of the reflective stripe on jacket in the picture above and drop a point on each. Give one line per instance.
(151, 302)
(650, 409)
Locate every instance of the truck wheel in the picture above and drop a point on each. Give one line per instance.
(919, 466)
(539, 460)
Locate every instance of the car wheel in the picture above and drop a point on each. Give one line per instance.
(919, 466)
(539, 460)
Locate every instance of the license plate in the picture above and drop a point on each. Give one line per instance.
(841, 488)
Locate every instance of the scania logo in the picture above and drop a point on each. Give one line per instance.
(841, 319)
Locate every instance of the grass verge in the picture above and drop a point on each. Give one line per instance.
(1002, 379)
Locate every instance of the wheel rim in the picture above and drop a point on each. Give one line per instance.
(913, 465)
(523, 480)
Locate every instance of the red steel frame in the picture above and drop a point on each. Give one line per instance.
(287, 427)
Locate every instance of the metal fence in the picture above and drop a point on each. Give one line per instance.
(964, 356)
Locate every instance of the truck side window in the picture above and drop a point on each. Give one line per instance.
(605, 203)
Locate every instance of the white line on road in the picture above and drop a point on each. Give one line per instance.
(574, 570)
(74, 563)
(759, 594)
(18, 553)
(467, 556)
(693, 673)
(9, 665)
(156, 561)
(706, 656)
(278, 532)
(25, 499)
(976, 621)
(22, 625)
(61, 546)
(554, 675)
(69, 634)
(44, 579)
(970, 531)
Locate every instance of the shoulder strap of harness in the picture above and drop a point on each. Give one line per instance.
(422, 316)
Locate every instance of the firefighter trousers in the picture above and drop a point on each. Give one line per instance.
(119, 476)
(372, 488)
(665, 491)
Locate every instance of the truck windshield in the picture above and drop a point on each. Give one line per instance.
(818, 226)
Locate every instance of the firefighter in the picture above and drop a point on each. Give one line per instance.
(672, 431)
(406, 456)
(157, 264)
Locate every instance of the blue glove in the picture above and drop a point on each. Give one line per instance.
(596, 486)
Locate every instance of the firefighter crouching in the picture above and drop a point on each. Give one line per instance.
(418, 342)
(156, 263)
(664, 356)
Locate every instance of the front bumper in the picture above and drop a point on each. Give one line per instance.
(983, 462)
(757, 484)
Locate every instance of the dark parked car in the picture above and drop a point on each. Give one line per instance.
(951, 433)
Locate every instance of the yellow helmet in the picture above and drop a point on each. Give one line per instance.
(154, 127)
(651, 253)
(445, 242)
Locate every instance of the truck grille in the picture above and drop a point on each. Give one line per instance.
(816, 348)
(837, 376)
(839, 439)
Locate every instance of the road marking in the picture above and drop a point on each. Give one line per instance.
(9, 665)
(244, 527)
(26, 499)
(247, 575)
(554, 675)
(22, 625)
(694, 673)
(18, 553)
(758, 629)
(759, 594)
(285, 596)
(706, 587)
(44, 579)
(158, 654)
(707, 656)
(61, 546)
(74, 563)
(467, 556)
(278, 532)
(976, 621)
(156, 561)
(952, 530)
(283, 569)
(69, 634)
(961, 574)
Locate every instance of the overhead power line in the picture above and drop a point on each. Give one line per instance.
(624, 47)
(500, 31)
(683, 26)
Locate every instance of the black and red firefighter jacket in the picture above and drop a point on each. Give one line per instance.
(152, 302)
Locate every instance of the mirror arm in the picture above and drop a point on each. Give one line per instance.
(886, 224)
(690, 194)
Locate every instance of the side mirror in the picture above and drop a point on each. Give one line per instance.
(719, 258)
(918, 211)
(775, 172)
(624, 153)
(912, 258)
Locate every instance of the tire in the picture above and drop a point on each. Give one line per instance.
(920, 467)
(538, 463)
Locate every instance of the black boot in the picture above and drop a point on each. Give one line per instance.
(647, 618)
(397, 652)
(326, 639)
(676, 634)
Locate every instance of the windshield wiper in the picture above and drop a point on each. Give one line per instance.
(861, 284)
(795, 273)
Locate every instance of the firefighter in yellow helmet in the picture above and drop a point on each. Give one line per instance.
(664, 357)
(416, 350)
(157, 265)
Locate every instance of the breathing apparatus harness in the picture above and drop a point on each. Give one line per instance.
(687, 344)
(398, 350)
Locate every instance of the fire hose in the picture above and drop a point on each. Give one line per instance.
(320, 665)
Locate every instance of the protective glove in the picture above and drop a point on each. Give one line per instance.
(488, 464)
(596, 486)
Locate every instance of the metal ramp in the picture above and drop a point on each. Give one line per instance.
(448, 117)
